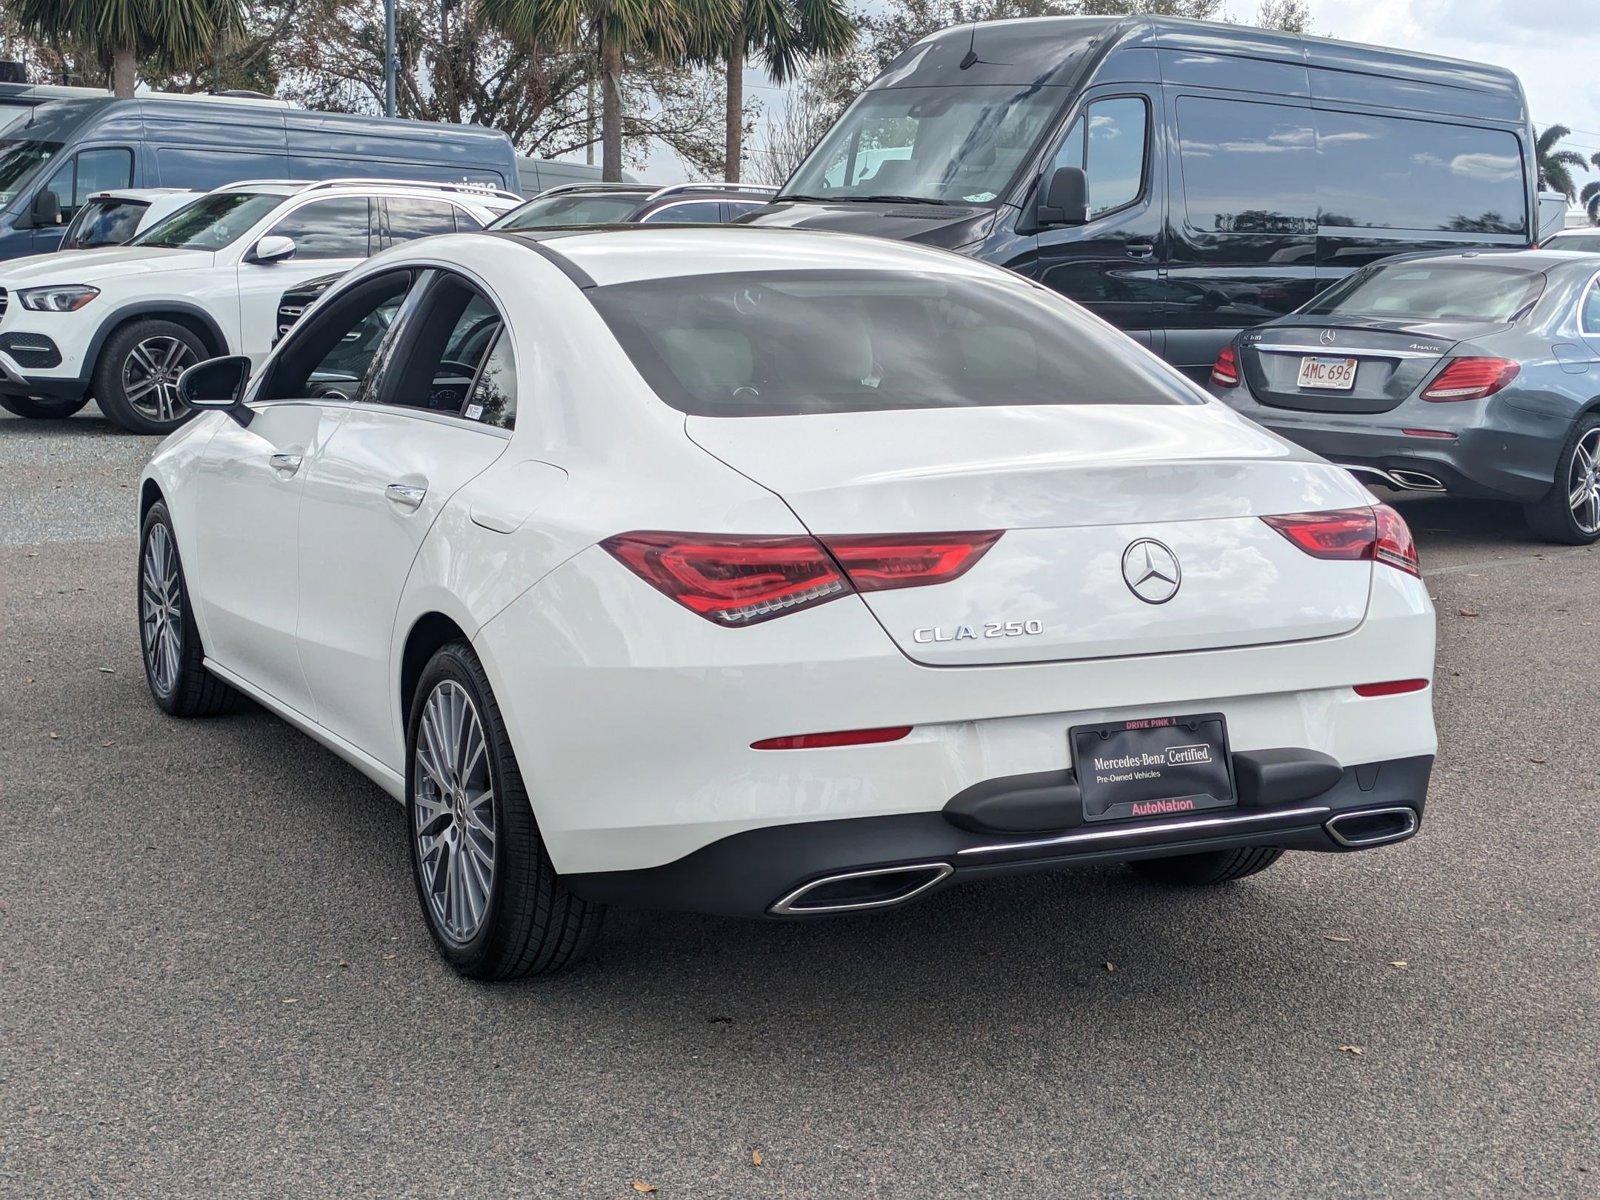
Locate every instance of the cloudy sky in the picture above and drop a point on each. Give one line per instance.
(1552, 45)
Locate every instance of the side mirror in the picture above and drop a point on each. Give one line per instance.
(45, 210)
(1065, 199)
(218, 383)
(272, 248)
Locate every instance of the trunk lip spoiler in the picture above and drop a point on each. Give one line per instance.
(1343, 351)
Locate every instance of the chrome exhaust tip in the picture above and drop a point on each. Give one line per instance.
(856, 891)
(1416, 481)
(1372, 827)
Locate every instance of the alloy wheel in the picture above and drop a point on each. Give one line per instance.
(1583, 482)
(453, 812)
(150, 377)
(161, 610)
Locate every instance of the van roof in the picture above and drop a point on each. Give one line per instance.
(1066, 51)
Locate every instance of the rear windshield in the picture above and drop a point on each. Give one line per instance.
(1433, 291)
(1588, 243)
(581, 208)
(790, 342)
(107, 222)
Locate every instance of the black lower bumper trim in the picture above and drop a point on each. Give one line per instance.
(747, 873)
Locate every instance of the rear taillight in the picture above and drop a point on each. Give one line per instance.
(1470, 379)
(739, 579)
(821, 741)
(1377, 533)
(1225, 371)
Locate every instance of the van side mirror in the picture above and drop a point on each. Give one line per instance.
(45, 211)
(218, 383)
(272, 248)
(1065, 199)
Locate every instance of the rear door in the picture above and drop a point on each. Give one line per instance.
(1113, 265)
(406, 445)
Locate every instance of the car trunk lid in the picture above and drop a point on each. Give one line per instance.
(1092, 499)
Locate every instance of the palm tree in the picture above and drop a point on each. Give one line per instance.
(1590, 196)
(616, 30)
(1553, 163)
(177, 33)
(781, 34)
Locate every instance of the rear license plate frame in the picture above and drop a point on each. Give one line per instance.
(1311, 378)
(1153, 767)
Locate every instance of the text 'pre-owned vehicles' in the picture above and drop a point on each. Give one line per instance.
(1181, 179)
(777, 573)
(1475, 373)
(121, 323)
(56, 155)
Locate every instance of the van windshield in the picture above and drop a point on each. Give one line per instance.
(19, 159)
(211, 222)
(943, 145)
(1432, 291)
(787, 343)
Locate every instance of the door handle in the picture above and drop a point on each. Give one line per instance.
(1141, 249)
(405, 495)
(285, 464)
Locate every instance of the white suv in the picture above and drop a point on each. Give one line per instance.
(121, 324)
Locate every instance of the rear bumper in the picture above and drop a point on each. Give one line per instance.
(787, 867)
(1499, 452)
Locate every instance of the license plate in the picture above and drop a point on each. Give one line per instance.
(1334, 374)
(1153, 767)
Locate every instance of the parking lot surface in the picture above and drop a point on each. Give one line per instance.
(214, 981)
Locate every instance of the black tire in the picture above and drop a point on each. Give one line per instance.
(187, 689)
(111, 372)
(41, 408)
(531, 924)
(1215, 866)
(1553, 518)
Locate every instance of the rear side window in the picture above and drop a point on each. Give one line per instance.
(791, 342)
(1432, 291)
(1247, 168)
(1390, 173)
(411, 218)
(696, 212)
(332, 228)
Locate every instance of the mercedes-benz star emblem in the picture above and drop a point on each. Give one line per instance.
(1151, 571)
(1327, 337)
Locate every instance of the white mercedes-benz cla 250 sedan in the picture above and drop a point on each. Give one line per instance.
(777, 573)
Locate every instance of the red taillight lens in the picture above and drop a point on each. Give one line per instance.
(1225, 371)
(1470, 379)
(876, 564)
(1393, 687)
(737, 579)
(732, 580)
(1378, 533)
(816, 741)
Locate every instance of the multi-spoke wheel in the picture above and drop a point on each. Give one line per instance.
(453, 813)
(491, 897)
(1571, 512)
(136, 379)
(174, 661)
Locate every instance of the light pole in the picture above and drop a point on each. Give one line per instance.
(388, 58)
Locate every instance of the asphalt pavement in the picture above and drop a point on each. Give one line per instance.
(214, 981)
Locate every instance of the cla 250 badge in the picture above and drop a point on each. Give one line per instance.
(989, 629)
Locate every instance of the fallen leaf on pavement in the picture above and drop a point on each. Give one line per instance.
(105, 670)
(1466, 612)
(755, 1157)
(1111, 966)
(1336, 937)
(643, 1188)
(1352, 1049)
(1400, 962)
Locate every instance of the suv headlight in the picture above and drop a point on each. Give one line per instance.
(67, 297)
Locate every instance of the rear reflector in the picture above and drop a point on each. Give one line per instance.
(1443, 434)
(736, 580)
(1225, 371)
(1470, 379)
(1377, 533)
(816, 741)
(1393, 687)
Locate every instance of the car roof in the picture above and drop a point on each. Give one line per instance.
(1528, 259)
(491, 198)
(601, 255)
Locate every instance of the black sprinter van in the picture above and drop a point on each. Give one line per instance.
(1182, 179)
